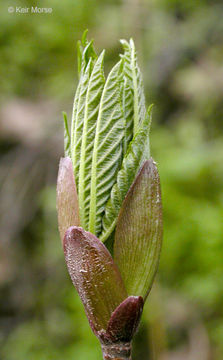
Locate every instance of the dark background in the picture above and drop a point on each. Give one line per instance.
(180, 50)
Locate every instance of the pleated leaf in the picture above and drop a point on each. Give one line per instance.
(138, 236)
(67, 201)
(128, 112)
(133, 74)
(92, 101)
(95, 276)
(78, 119)
(137, 152)
(107, 151)
(86, 59)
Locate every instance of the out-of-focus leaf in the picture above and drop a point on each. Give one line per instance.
(107, 152)
(136, 154)
(134, 76)
(92, 100)
(138, 236)
(125, 319)
(85, 52)
(66, 136)
(95, 276)
(67, 201)
(80, 44)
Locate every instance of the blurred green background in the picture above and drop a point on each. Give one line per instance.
(180, 50)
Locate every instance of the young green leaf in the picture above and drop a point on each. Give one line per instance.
(128, 111)
(92, 100)
(66, 136)
(86, 59)
(85, 52)
(80, 44)
(107, 151)
(95, 276)
(78, 119)
(67, 202)
(133, 74)
(138, 236)
(137, 152)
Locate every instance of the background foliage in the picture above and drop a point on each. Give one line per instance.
(180, 48)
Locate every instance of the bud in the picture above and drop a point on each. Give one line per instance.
(108, 190)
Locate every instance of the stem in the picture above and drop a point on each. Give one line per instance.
(116, 351)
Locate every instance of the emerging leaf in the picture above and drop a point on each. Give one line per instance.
(107, 151)
(134, 81)
(138, 236)
(91, 107)
(125, 319)
(94, 275)
(85, 52)
(67, 202)
(86, 60)
(128, 113)
(137, 152)
(78, 119)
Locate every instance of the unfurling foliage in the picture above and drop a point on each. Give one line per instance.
(109, 191)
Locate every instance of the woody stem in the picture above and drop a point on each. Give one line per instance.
(116, 351)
